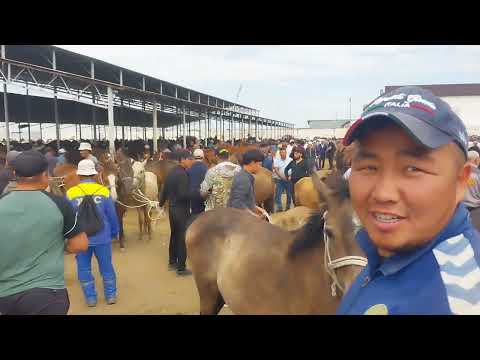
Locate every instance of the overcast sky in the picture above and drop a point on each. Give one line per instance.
(296, 83)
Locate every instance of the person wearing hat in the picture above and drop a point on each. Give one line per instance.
(61, 157)
(408, 180)
(176, 191)
(33, 226)
(296, 169)
(196, 175)
(7, 178)
(216, 186)
(86, 152)
(100, 243)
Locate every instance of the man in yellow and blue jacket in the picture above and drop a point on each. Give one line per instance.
(100, 243)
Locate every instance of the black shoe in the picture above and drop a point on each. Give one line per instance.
(172, 266)
(183, 272)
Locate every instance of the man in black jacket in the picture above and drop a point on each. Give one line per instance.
(176, 191)
(298, 168)
(331, 148)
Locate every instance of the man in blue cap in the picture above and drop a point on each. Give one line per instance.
(407, 183)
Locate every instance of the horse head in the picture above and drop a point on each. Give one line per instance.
(125, 173)
(343, 256)
(109, 174)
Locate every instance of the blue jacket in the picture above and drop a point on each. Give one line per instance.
(442, 277)
(268, 163)
(196, 174)
(105, 207)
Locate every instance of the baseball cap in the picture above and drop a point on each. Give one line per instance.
(29, 163)
(85, 146)
(11, 155)
(86, 168)
(426, 118)
(198, 154)
(223, 152)
(62, 151)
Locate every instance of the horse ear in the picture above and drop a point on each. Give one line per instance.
(323, 191)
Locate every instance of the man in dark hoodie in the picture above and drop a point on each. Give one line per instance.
(298, 168)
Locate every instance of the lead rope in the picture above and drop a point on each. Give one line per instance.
(331, 266)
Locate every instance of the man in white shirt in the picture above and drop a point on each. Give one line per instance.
(281, 182)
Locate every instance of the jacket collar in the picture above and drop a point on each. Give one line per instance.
(458, 224)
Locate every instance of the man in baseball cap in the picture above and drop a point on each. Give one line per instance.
(33, 226)
(407, 183)
(7, 178)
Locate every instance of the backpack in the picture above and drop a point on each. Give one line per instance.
(88, 217)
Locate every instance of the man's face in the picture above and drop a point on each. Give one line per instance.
(84, 153)
(404, 194)
(283, 154)
(297, 155)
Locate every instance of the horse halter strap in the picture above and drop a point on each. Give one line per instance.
(332, 265)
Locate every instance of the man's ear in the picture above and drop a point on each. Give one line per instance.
(462, 181)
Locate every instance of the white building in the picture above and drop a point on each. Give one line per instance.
(463, 98)
(323, 129)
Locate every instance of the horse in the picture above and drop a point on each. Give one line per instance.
(306, 194)
(292, 219)
(131, 194)
(259, 268)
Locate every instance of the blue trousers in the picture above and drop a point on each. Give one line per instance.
(103, 253)
(281, 186)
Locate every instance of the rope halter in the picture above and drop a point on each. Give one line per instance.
(332, 265)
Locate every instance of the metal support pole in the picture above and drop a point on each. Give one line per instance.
(155, 128)
(184, 128)
(41, 135)
(222, 122)
(29, 114)
(94, 117)
(232, 129)
(123, 133)
(5, 107)
(55, 110)
(111, 123)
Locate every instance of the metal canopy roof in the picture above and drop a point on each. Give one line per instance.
(80, 76)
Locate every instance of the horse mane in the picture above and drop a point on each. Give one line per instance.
(311, 234)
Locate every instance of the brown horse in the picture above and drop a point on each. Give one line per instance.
(130, 189)
(259, 268)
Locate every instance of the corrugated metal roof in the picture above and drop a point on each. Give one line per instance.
(443, 90)
(327, 124)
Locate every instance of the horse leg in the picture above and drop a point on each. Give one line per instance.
(140, 223)
(147, 223)
(268, 205)
(120, 213)
(211, 300)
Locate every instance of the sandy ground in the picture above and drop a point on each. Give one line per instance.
(145, 286)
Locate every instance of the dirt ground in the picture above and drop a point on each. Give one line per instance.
(145, 286)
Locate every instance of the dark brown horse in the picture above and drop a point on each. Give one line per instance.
(259, 268)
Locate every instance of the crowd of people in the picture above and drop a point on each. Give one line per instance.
(409, 232)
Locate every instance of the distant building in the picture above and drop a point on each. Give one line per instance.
(463, 98)
(323, 128)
